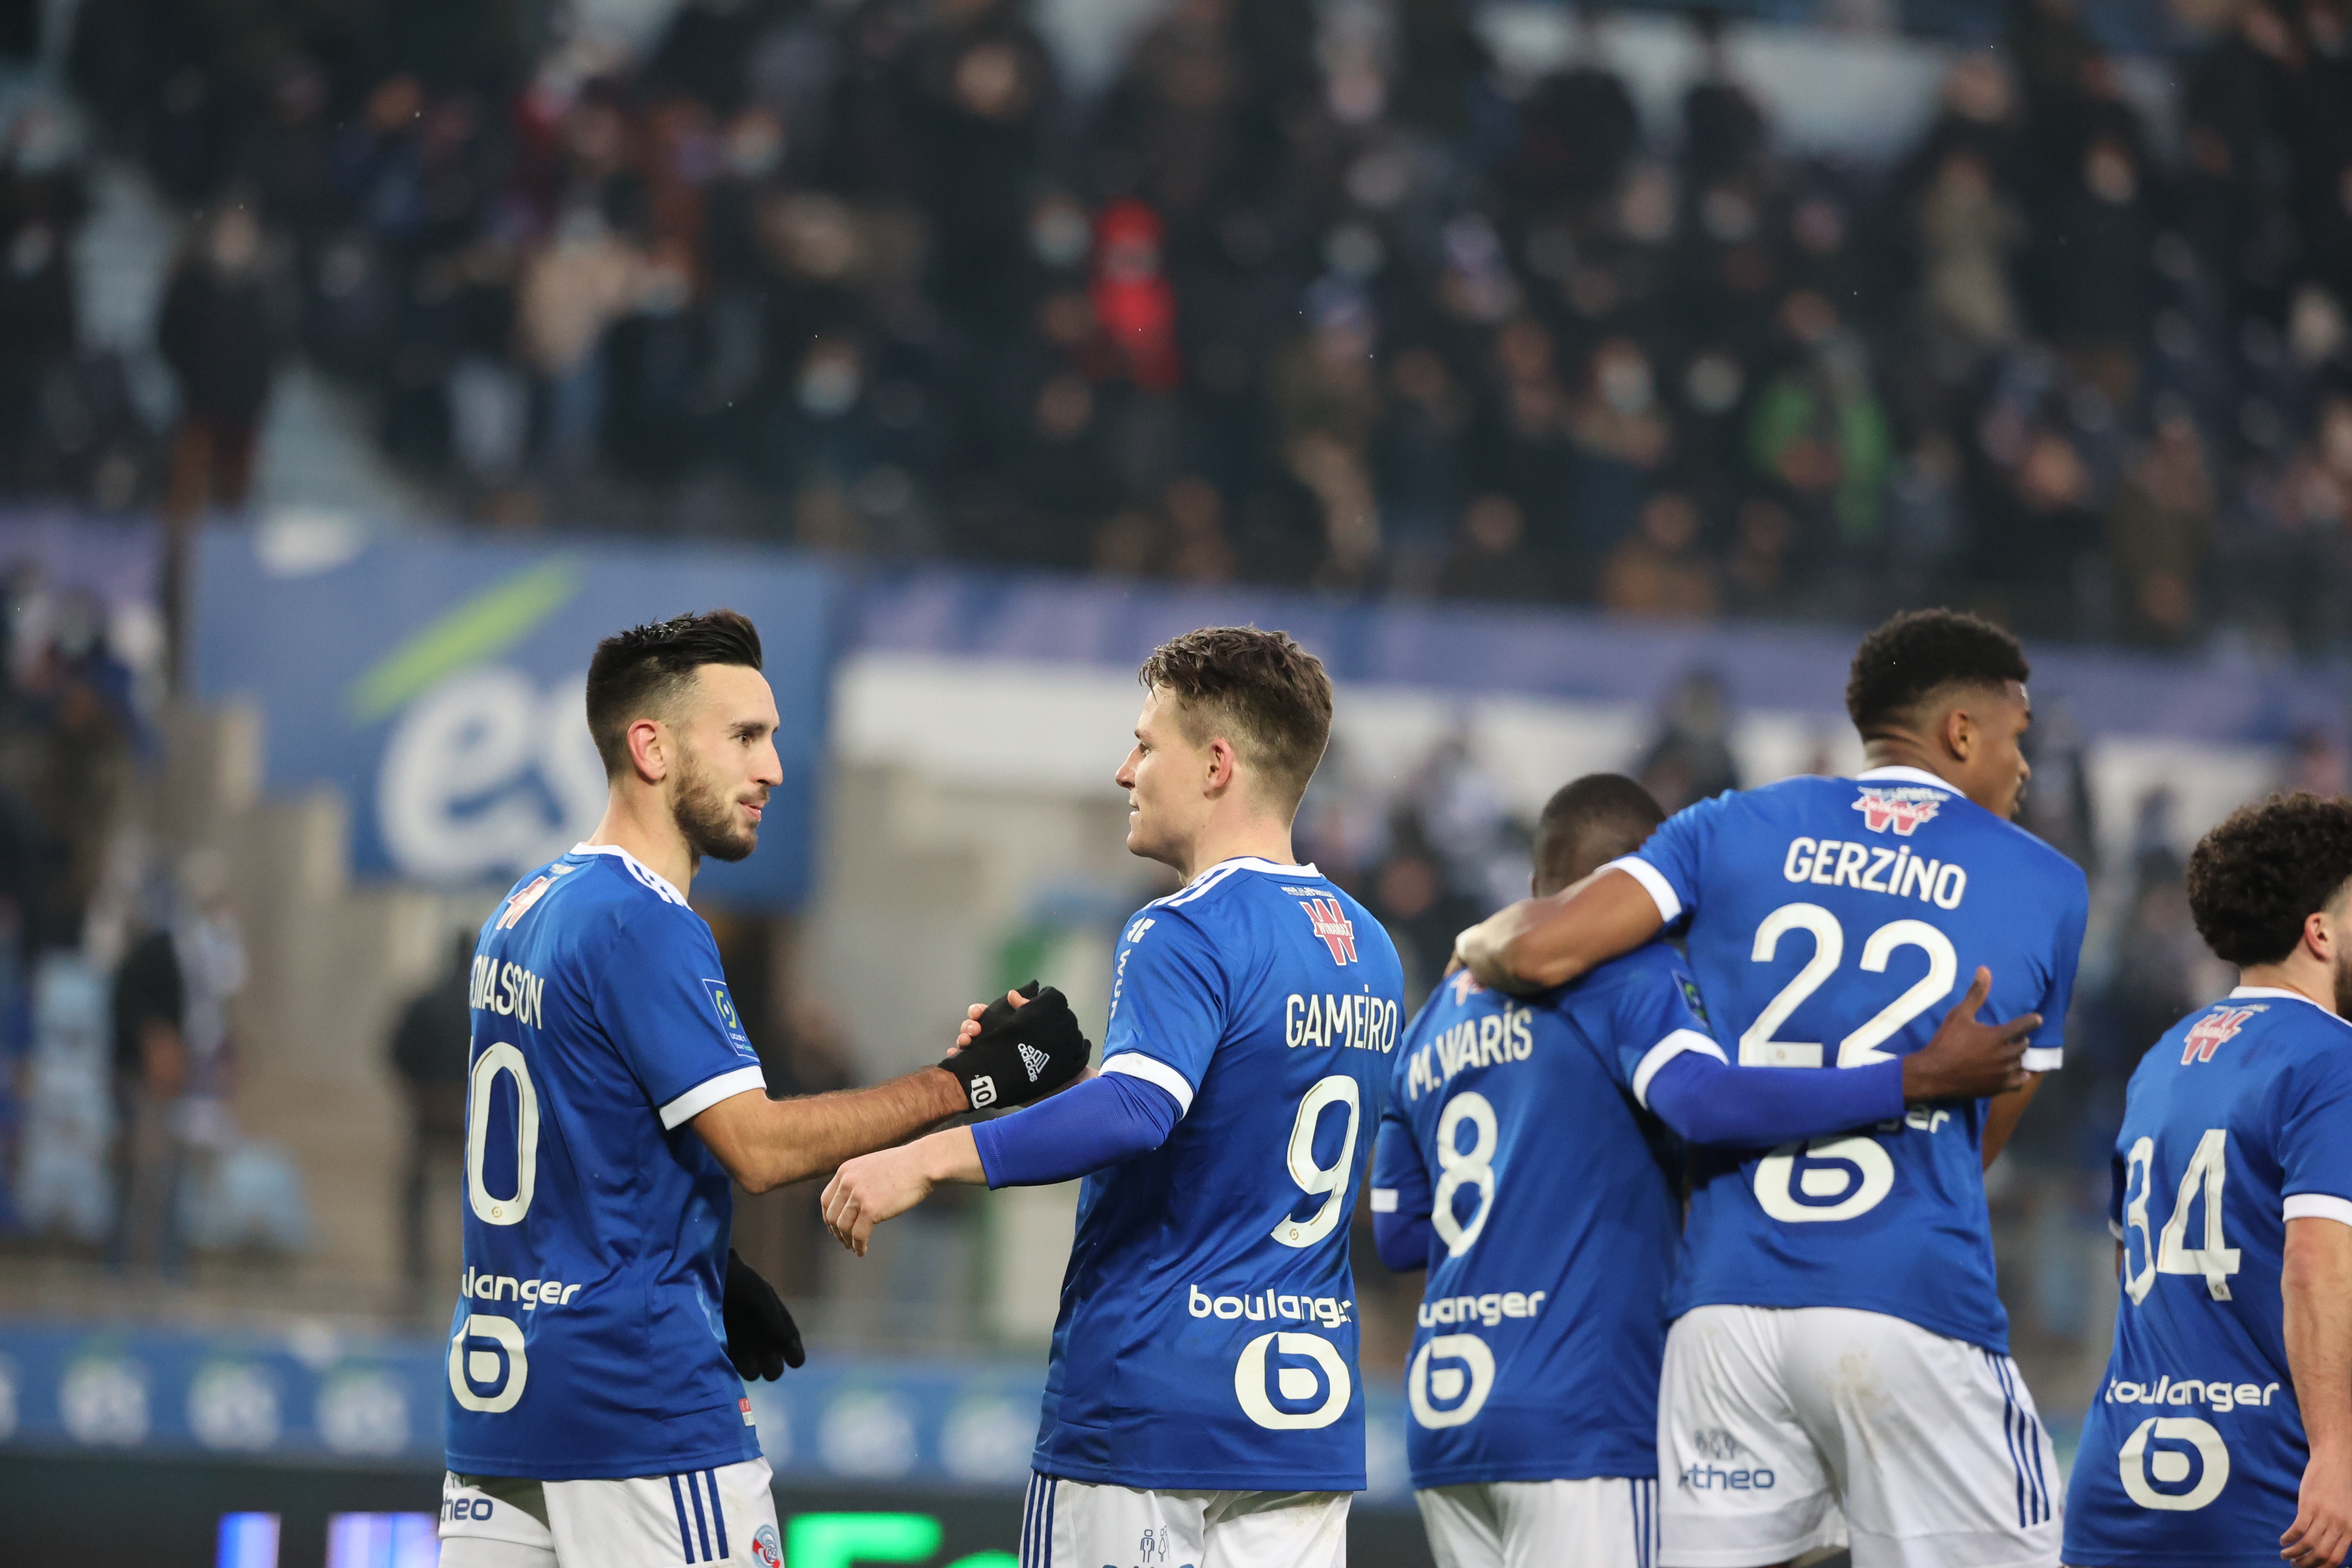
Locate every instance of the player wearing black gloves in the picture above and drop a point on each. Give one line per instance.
(1024, 1050)
(761, 1338)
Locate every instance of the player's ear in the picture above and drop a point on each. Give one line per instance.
(1223, 763)
(649, 745)
(1960, 735)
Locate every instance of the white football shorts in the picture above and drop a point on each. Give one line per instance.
(1086, 1525)
(722, 1515)
(1604, 1521)
(1782, 1431)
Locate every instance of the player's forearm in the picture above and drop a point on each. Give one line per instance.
(785, 1140)
(2315, 1283)
(1538, 944)
(2002, 1116)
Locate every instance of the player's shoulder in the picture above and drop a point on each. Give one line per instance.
(1655, 962)
(1911, 803)
(1246, 891)
(603, 891)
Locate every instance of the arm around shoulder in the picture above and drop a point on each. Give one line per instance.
(1538, 944)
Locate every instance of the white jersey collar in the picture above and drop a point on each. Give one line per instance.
(1257, 863)
(638, 869)
(1905, 775)
(2281, 992)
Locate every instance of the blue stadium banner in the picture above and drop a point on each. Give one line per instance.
(436, 680)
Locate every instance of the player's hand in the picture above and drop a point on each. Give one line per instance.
(1968, 1060)
(2323, 1515)
(870, 1189)
(761, 1338)
(980, 1015)
(1020, 1049)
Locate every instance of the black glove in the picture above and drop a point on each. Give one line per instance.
(761, 1338)
(1021, 1053)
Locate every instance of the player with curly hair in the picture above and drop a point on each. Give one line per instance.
(2221, 1433)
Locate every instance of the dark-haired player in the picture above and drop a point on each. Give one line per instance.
(2222, 1432)
(1838, 1362)
(1202, 1402)
(1524, 1160)
(596, 1360)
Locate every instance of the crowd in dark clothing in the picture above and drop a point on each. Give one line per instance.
(1299, 303)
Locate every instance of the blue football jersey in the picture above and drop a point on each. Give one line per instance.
(1519, 1127)
(1207, 1332)
(587, 1341)
(2193, 1450)
(1832, 922)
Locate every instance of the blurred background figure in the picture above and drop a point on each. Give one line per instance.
(151, 1078)
(218, 331)
(429, 1057)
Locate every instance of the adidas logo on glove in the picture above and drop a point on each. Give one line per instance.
(1034, 1059)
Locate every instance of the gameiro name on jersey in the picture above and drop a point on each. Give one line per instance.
(2193, 1451)
(1207, 1332)
(1831, 923)
(587, 1341)
(1515, 1125)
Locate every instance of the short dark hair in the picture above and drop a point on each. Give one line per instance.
(1919, 653)
(1260, 689)
(1588, 823)
(2253, 879)
(641, 672)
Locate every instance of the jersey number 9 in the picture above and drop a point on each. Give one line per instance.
(1330, 1180)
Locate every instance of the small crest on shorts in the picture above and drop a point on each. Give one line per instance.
(766, 1550)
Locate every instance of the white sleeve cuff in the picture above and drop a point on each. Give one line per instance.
(2320, 1205)
(2044, 1059)
(1384, 1200)
(1667, 1050)
(709, 1092)
(1654, 883)
(1157, 1073)
(2115, 1227)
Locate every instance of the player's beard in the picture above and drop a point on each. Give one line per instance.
(706, 816)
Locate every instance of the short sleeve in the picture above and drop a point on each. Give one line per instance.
(1669, 864)
(2046, 1052)
(2314, 1157)
(663, 1000)
(1399, 1176)
(1167, 1005)
(1653, 1013)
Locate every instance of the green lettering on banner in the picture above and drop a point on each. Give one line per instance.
(987, 1560)
(842, 1540)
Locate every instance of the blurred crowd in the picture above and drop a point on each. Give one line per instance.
(1312, 293)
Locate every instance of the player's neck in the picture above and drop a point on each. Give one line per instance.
(646, 829)
(2300, 973)
(1902, 751)
(1255, 838)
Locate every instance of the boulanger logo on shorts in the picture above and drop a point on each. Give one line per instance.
(1723, 1465)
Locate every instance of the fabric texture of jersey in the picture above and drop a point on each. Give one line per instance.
(2193, 1451)
(1555, 1237)
(1207, 1332)
(1831, 922)
(587, 1341)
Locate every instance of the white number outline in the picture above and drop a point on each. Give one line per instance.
(1757, 1045)
(2216, 1260)
(497, 1057)
(2142, 1159)
(1474, 1166)
(1312, 1178)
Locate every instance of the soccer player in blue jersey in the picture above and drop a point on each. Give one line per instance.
(2221, 1433)
(596, 1416)
(1529, 1159)
(1836, 1327)
(1202, 1402)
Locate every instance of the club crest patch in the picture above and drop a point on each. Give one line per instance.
(1900, 807)
(2207, 1035)
(1332, 924)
